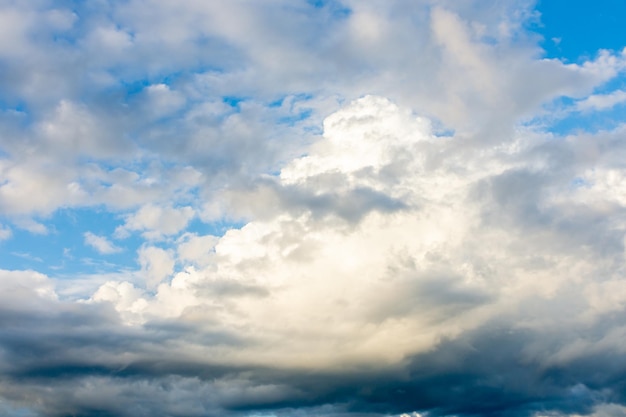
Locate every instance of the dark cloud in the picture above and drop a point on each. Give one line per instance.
(326, 196)
(82, 363)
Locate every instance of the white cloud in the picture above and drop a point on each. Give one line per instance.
(363, 248)
(600, 102)
(26, 290)
(100, 244)
(431, 59)
(484, 233)
(196, 249)
(156, 265)
(127, 299)
(31, 225)
(155, 221)
(161, 100)
(5, 232)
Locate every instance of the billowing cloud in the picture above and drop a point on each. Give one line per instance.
(353, 208)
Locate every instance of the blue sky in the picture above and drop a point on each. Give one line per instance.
(312, 208)
(574, 31)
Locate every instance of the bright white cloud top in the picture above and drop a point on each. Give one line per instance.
(322, 208)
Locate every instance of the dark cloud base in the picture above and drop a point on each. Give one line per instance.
(84, 366)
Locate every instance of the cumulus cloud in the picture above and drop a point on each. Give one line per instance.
(196, 249)
(386, 229)
(156, 264)
(482, 296)
(456, 278)
(155, 221)
(469, 68)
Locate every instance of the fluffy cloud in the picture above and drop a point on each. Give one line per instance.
(156, 264)
(118, 106)
(387, 228)
(156, 221)
(468, 268)
(482, 294)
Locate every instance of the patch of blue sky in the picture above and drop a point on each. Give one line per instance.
(210, 56)
(134, 81)
(318, 4)
(336, 8)
(65, 38)
(565, 116)
(14, 104)
(578, 183)
(293, 119)
(81, 7)
(314, 129)
(214, 228)
(575, 30)
(234, 101)
(11, 102)
(294, 98)
(444, 132)
(590, 121)
(277, 102)
(23, 250)
(63, 251)
(440, 130)
(615, 84)
(133, 87)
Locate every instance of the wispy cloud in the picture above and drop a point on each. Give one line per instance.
(602, 101)
(5, 232)
(27, 256)
(100, 244)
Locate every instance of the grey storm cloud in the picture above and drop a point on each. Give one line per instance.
(88, 367)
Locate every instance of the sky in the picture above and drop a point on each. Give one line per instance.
(297, 208)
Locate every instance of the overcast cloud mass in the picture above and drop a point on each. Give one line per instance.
(290, 208)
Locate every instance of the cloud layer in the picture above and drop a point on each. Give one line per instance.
(331, 209)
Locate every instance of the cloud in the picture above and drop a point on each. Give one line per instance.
(100, 244)
(338, 209)
(156, 264)
(156, 221)
(471, 300)
(196, 249)
(128, 112)
(471, 291)
(602, 101)
(5, 232)
(31, 225)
